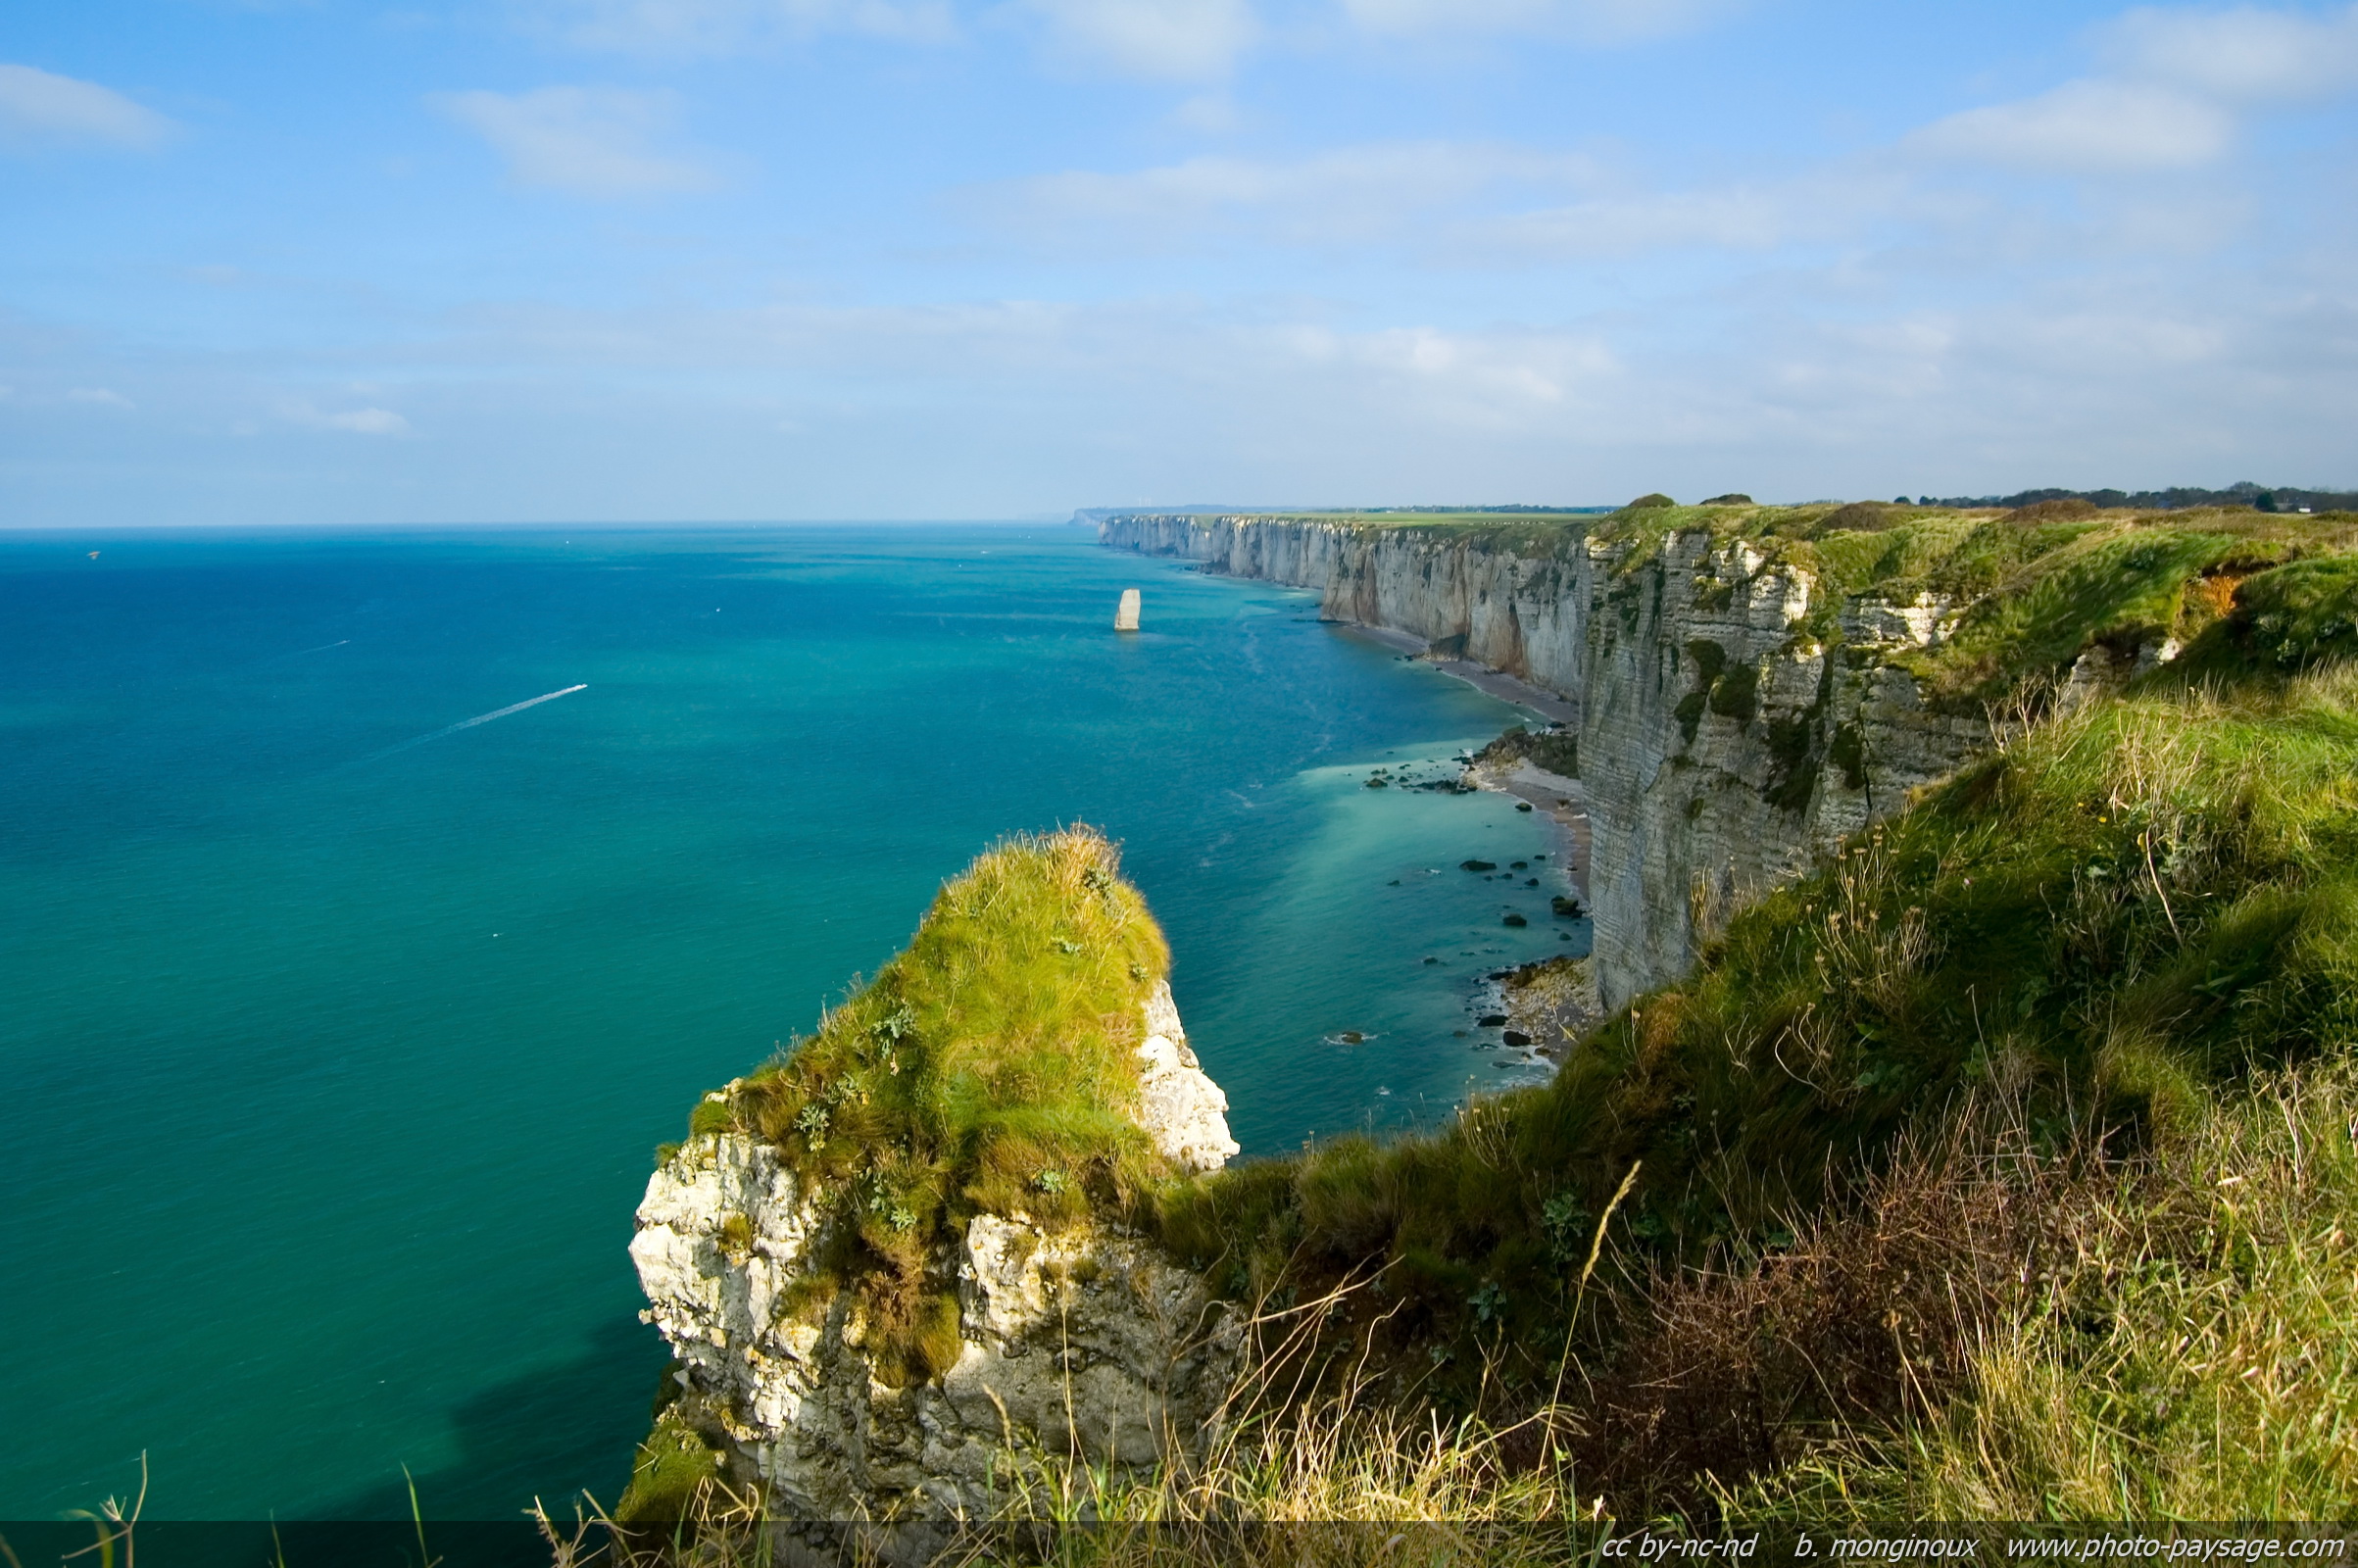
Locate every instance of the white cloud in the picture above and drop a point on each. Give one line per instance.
(2176, 82)
(2245, 55)
(1178, 40)
(357, 421)
(1210, 113)
(2091, 126)
(102, 396)
(719, 27)
(591, 141)
(38, 107)
(1174, 39)
(1593, 20)
(1346, 195)
(1748, 218)
(1493, 378)
(1458, 203)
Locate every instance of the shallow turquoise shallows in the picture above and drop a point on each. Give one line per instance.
(338, 1030)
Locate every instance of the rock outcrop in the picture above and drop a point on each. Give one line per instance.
(1722, 745)
(1083, 1342)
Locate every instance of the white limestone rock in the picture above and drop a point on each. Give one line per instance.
(1179, 1106)
(1087, 1342)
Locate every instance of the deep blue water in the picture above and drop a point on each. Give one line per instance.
(330, 1064)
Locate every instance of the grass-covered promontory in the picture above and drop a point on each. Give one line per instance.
(991, 1065)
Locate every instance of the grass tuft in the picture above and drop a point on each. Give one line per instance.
(991, 1066)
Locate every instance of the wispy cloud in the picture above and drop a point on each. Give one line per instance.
(1172, 39)
(1593, 21)
(1342, 196)
(724, 27)
(102, 396)
(1176, 41)
(590, 141)
(2091, 126)
(354, 422)
(1831, 206)
(2177, 83)
(2245, 55)
(40, 109)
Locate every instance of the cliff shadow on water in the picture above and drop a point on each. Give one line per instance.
(570, 1424)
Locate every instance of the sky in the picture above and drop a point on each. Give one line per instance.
(336, 264)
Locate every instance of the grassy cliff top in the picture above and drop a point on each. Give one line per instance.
(991, 1065)
(2026, 590)
(2106, 930)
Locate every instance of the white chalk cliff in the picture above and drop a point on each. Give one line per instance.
(1086, 1342)
(1722, 747)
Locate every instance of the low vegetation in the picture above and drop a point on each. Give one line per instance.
(1555, 749)
(2188, 1350)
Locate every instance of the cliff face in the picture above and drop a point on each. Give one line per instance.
(1523, 615)
(1078, 1340)
(1721, 746)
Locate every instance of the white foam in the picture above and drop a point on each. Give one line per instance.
(479, 718)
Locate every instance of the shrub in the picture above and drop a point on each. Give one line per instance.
(1736, 695)
(2066, 510)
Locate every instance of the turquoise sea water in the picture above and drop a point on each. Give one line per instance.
(335, 1040)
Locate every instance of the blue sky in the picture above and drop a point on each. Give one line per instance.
(327, 263)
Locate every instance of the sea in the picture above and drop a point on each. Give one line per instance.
(376, 902)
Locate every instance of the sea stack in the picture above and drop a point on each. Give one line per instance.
(1125, 618)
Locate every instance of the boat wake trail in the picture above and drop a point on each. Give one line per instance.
(470, 724)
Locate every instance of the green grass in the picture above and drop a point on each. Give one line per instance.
(2192, 1356)
(991, 1066)
(2112, 922)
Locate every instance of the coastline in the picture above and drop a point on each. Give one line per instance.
(1548, 1002)
(1559, 800)
(1560, 797)
(1493, 682)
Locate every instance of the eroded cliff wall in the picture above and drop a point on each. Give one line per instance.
(1722, 742)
